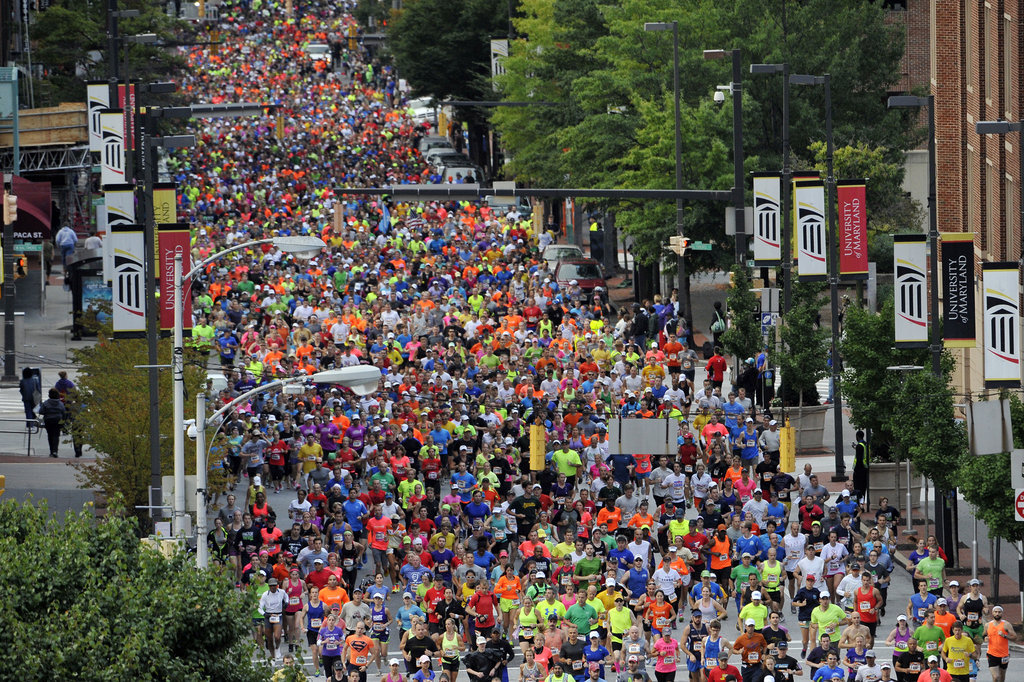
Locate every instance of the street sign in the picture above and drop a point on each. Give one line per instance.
(1018, 505)
(28, 247)
(767, 320)
(1017, 469)
(701, 246)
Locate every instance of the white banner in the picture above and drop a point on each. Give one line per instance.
(98, 97)
(112, 159)
(1001, 286)
(119, 205)
(127, 243)
(809, 206)
(909, 260)
(767, 219)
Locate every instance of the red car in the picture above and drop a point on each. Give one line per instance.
(582, 272)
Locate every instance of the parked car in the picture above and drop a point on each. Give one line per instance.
(556, 253)
(583, 272)
(445, 156)
(431, 141)
(467, 171)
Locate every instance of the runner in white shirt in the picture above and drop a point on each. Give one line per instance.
(812, 565)
(793, 542)
(700, 484)
(674, 485)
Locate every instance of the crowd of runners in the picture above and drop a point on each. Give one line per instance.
(711, 564)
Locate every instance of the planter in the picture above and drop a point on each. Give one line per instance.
(808, 423)
(889, 479)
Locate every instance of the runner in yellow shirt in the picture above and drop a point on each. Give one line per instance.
(957, 652)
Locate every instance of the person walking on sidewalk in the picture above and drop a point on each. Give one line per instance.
(31, 393)
(53, 413)
(66, 240)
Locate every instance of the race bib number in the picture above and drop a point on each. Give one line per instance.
(314, 623)
(577, 665)
(515, 603)
(830, 629)
(865, 605)
(275, 618)
(833, 565)
(972, 617)
(753, 657)
(378, 626)
(766, 477)
(931, 646)
(662, 622)
(432, 475)
(460, 484)
(566, 579)
(360, 660)
(900, 646)
(338, 538)
(688, 468)
(294, 601)
(379, 536)
(933, 583)
(751, 443)
(772, 579)
(669, 660)
(526, 632)
(959, 663)
(633, 648)
(499, 535)
(349, 563)
(915, 667)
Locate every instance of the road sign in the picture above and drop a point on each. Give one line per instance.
(768, 319)
(1018, 504)
(700, 246)
(28, 247)
(1017, 469)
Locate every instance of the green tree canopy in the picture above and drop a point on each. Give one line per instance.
(613, 124)
(70, 43)
(111, 408)
(802, 362)
(743, 337)
(84, 600)
(443, 48)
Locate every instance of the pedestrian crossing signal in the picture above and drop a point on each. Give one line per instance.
(20, 267)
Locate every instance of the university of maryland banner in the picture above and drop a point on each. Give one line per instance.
(127, 244)
(809, 205)
(853, 229)
(909, 257)
(174, 239)
(112, 154)
(97, 95)
(165, 209)
(1001, 287)
(767, 219)
(958, 321)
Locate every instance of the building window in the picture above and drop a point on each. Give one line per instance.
(989, 64)
(1009, 218)
(992, 206)
(969, 49)
(1008, 53)
(970, 201)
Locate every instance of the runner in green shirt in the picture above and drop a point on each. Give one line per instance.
(826, 619)
(582, 614)
(930, 637)
(567, 460)
(932, 569)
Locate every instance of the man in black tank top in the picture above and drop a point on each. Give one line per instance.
(693, 635)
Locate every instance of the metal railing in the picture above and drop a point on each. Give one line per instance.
(26, 426)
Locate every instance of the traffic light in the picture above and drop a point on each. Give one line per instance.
(10, 209)
(20, 267)
(679, 245)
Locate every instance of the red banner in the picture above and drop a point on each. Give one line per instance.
(126, 97)
(853, 229)
(34, 203)
(172, 240)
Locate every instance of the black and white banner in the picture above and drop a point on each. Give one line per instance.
(1001, 286)
(767, 219)
(958, 318)
(909, 260)
(809, 206)
(97, 94)
(119, 202)
(112, 154)
(127, 244)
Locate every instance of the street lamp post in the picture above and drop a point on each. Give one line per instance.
(738, 196)
(684, 312)
(297, 245)
(833, 277)
(1002, 128)
(787, 178)
(362, 379)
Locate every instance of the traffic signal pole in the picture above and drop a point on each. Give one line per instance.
(10, 215)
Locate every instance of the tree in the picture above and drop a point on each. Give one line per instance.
(84, 600)
(889, 208)
(870, 390)
(69, 42)
(111, 409)
(982, 480)
(743, 337)
(443, 48)
(805, 347)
